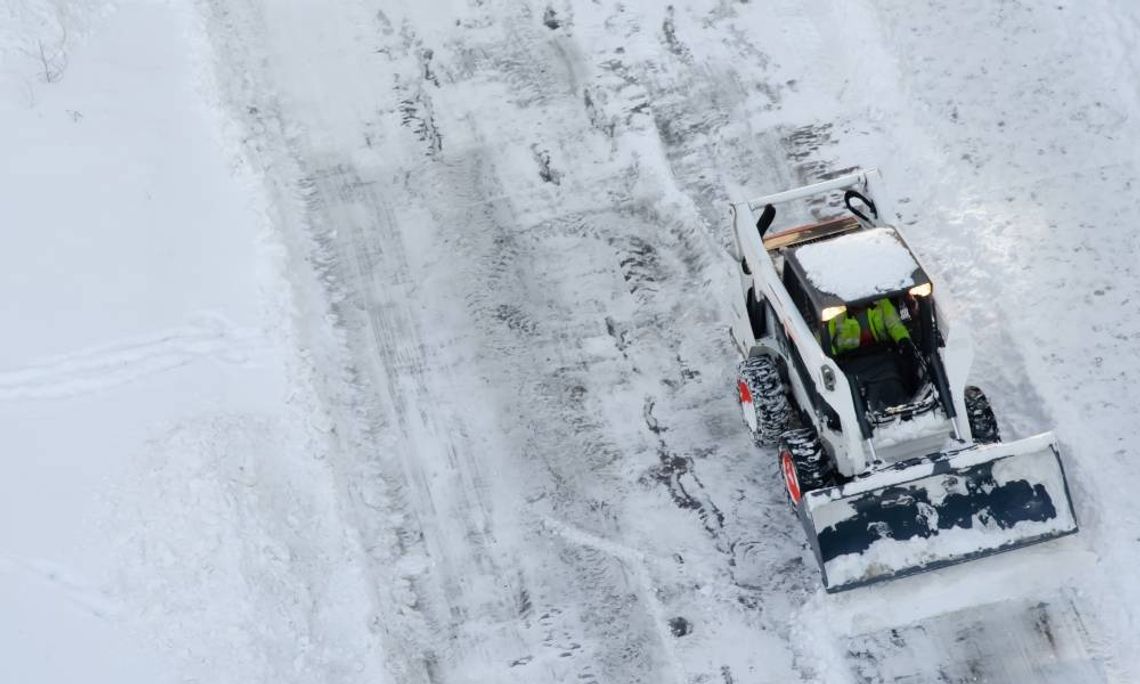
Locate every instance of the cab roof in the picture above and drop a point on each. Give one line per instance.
(855, 267)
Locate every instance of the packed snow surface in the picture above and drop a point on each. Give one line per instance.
(859, 265)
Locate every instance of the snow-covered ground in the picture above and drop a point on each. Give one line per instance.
(387, 341)
(168, 511)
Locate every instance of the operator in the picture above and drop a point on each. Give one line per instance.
(881, 379)
(865, 326)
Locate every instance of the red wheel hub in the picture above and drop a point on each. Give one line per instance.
(745, 393)
(791, 481)
(746, 406)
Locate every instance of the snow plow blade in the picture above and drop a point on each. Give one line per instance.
(938, 510)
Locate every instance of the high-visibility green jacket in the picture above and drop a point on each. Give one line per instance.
(876, 323)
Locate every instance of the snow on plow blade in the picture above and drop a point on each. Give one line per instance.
(937, 510)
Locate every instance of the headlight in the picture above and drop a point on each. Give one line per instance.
(831, 312)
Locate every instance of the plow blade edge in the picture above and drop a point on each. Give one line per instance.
(937, 510)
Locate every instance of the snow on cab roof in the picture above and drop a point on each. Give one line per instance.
(859, 265)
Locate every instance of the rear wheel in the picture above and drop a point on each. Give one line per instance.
(803, 462)
(763, 400)
(983, 423)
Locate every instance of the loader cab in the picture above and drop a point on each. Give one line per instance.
(846, 276)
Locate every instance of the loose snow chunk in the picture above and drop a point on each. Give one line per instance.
(903, 431)
(859, 265)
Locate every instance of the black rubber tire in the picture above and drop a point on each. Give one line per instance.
(983, 423)
(772, 411)
(813, 467)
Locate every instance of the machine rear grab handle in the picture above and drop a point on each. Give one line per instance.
(847, 181)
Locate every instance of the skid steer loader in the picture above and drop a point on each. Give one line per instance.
(892, 463)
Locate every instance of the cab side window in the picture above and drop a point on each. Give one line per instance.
(800, 298)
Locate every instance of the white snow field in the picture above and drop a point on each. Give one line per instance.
(169, 511)
(386, 341)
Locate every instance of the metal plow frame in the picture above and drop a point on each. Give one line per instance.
(967, 477)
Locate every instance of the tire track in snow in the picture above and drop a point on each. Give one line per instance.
(313, 196)
(651, 250)
(636, 562)
(62, 579)
(516, 268)
(505, 286)
(658, 254)
(468, 192)
(709, 147)
(471, 582)
(562, 442)
(1027, 640)
(105, 367)
(670, 255)
(447, 494)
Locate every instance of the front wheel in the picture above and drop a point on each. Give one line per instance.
(983, 423)
(803, 463)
